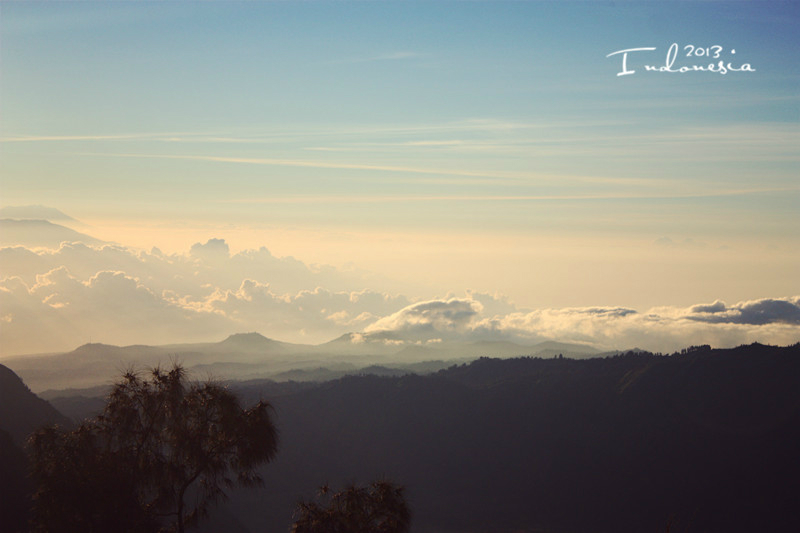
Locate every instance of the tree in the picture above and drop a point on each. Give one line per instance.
(380, 507)
(159, 456)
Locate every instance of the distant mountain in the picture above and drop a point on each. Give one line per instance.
(34, 212)
(35, 233)
(21, 411)
(575, 351)
(503, 349)
(253, 343)
(377, 344)
(245, 356)
(701, 441)
(358, 344)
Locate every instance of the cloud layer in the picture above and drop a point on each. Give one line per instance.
(774, 321)
(56, 300)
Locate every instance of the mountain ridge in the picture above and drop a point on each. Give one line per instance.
(252, 356)
(703, 440)
(21, 411)
(40, 233)
(34, 212)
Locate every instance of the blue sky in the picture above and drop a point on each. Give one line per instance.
(412, 138)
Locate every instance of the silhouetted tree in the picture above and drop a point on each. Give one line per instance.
(161, 453)
(378, 508)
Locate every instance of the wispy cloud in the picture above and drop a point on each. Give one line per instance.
(57, 138)
(329, 165)
(365, 199)
(270, 133)
(392, 56)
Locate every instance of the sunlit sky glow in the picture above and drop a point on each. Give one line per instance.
(436, 147)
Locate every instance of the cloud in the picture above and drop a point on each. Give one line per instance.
(213, 248)
(659, 329)
(687, 243)
(428, 320)
(206, 267)
(60, 312)
(56, 300)
(331, 165)
(312, 313)
(757, 312)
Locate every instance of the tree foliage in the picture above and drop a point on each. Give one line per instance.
(380, 507)
(159, 456)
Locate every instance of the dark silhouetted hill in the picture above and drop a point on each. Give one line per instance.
(15, 488)
(21, 411)
(707, 440)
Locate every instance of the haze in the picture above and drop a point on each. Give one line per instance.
(427, 171)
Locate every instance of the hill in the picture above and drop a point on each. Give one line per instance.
(702, 440)
(247, 356)
(706, 440)
(21, 411)
(94, 364)
(39, 233)
(34, 212)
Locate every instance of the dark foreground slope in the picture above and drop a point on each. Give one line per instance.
(21, 412)
(707, 441)
(15, 488)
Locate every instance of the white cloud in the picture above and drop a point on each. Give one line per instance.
(56, 300)
(60, 312)
(773, 321)
(757, 312)
(428, 320)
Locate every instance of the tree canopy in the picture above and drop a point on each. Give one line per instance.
(380, 507)
(159, 456)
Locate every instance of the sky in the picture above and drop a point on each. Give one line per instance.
(480, 153)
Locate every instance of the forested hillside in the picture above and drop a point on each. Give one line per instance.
(706, 441)
(702, 440)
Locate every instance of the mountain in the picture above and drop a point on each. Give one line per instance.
(358, 344)
(503, 349)
(253, 343)
(21, 411)
(244, 356)
(380, 345)
(552, 349)
(704, 441)
(241, 356)
(36, 233)
(34, 212)
(701, 440)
